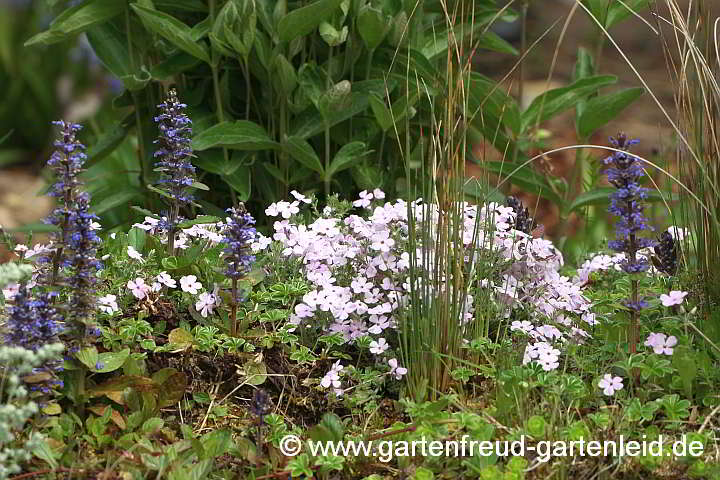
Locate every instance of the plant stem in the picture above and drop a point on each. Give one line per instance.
(233, 309)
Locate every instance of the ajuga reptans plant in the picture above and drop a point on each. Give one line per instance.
(32, 324)
(174, 153)
(238, 234)
(66, 162)
(627, 203)
(666, 253)
(524, 222)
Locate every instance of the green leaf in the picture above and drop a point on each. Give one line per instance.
(115, 200)
(216, 443)
(77, 19)
(42, 450)
(241, 182)
(601, 196)
(598, 111)
(598, 8)
(238, 135)
(172, 30)
(372, 26)
(304, 20)
(109, 140)
(558, 100)
(88, 356)
(346, 157)
(304, 153)
(110, 45)
(619, 11)
(200, 220)
(492, 41)
(307, 124)
(584, 65)
(382, 113)
(524, 177)
(111, 361)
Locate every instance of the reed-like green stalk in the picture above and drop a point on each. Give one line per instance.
(694, 63)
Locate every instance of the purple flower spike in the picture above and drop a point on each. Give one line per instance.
(174, 151)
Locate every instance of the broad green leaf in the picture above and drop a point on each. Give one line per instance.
(109, 141)
(42, 450)
(308, 124)
(524, 177)
(598, 8)
(216, 443)
(304, 20)
(78, 19)
(239, 135)
(489, 102)
(346, 157)
(172, 30)
(173, 65)
(492, 41)
(372, 25)
(598, 111)
(115, 200)
(382, 113)
(304, 153)
(241, 182)
(111, 47)
(584, 65)
(88, 356)
(213, 161)
(558, 100)
(619, 11)
(601, 196)
(110, 361)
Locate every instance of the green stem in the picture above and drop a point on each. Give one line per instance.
(233, 309)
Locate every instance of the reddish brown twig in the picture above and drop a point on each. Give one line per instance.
(43, 472)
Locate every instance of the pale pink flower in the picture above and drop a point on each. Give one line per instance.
(610, 384)
(189, 284)
(378, 347)
(134, 254)
(395, 370)
(676, 297)
(138, 287)
(205, 304)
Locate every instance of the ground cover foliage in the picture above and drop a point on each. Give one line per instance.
(182, 339)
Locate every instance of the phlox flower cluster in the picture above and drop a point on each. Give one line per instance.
(661, 343)
(358, 267)
(666, 251)
(205, 304)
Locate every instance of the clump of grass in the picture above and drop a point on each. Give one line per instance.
(694, 63)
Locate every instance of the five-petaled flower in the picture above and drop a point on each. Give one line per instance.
(676, 297)
(661, 343)
(138, 287)
(610, 384)
(189, 284)
(205, 304)
(378, 347)
(395, 370)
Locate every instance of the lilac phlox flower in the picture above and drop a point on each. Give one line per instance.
(610, 384)
(661, 343)
(364, 200)
(189, 284)
(395, 370)
(139, 288)
(206, 304)
(544, 354)
(108, 304)
(675, 297)
(283, 209)
(332, 377)
(299, 196)
(164, 278)
(134, 254)
(378, 347)
(523, 326)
